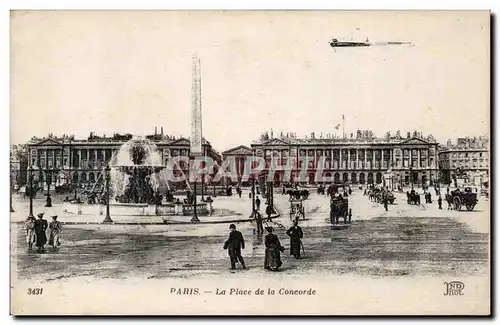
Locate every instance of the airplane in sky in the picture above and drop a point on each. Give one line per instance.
(336, 43)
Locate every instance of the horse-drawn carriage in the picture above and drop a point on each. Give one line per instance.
(413, 198)
(390, 197)
(465, 198)
(339, 208)
(297, 210)
(298, 194)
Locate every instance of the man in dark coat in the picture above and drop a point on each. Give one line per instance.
(295, 233)
(234, 245)
(258, 221)
(257, 203)
(440, 202)
(269, 212)
(40, 228)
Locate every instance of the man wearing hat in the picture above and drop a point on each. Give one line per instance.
(234, 245)
(55, 231)
(295, 233)
(40, 228)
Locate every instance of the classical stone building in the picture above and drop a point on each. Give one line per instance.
(359, 159)
(70, 160)
(239, 154)
(467, 159)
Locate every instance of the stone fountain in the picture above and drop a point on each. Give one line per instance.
(137, 177)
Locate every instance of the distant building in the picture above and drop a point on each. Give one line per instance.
(240, 155)
(468, 159)
(70, 160)
(361, 158)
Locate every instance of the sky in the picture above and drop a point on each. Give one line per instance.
(77, 72)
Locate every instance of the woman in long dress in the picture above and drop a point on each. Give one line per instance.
(272, 259)
(55, 232)
(29, 226)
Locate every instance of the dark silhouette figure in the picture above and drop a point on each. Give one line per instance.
(295, 233)
(41, 226)
(234, 245)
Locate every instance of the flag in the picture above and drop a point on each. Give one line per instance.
(337, 126)
(343, 118)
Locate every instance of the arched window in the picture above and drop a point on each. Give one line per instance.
(362, 178)
(353, 178)
(345, 177)
(379, 178)
(84, 177)
(370, 178)
(336, 178)
(91, 177)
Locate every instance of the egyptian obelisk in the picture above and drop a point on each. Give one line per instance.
(196, 133)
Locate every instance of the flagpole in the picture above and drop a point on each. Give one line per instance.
(343, 126)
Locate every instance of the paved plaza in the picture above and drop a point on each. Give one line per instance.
(407, 240)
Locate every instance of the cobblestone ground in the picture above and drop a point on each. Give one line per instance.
(405, 241)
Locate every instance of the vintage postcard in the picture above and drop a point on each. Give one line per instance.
(250, 162)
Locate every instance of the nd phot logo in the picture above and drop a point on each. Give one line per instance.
(454, 288)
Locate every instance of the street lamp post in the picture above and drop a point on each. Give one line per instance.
(253, 197)
(75, 185)
(31, 191)
(48, 181)
(411, 176)
(107, 176)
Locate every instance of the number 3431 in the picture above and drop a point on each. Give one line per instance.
(35, 291)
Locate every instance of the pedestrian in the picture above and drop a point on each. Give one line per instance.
(385, 203)
(55, 232)
(429, 197)
(40, 228)
(257, 203)
(258, 220)
(284, 190)
(234, 244)
(269, 211)
(295, 233)
(440, 201)
(449, 201)
(272, 260)
(29, 226)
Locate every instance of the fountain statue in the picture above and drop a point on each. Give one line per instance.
(135, 173)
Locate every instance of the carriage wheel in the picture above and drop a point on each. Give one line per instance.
(470, 206)
(457, 203)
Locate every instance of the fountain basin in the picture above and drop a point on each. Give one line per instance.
(139, 209)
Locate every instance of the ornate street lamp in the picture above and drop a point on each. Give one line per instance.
(75, 185)
(31, 191)
(48, 181)
(253, 196)
(411, 176)
(108, 178)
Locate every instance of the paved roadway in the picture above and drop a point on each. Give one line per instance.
(405, 241)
